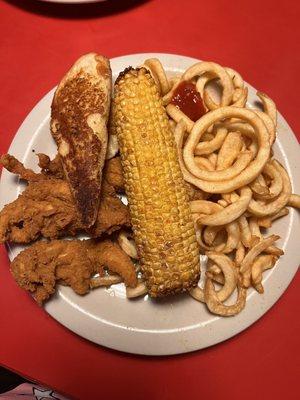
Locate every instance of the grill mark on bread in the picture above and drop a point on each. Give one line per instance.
(74, 102)
(79, 108)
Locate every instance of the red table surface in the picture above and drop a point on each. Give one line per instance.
(38, 44)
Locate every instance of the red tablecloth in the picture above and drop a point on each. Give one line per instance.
(38, 43)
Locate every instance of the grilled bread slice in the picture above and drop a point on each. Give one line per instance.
(79, 115)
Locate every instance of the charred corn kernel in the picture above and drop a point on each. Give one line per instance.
(157, 194)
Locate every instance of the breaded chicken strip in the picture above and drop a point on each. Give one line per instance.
(71, 262)
(46, 208)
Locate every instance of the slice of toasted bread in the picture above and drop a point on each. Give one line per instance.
(79, 115)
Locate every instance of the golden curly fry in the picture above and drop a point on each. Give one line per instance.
(249, 173)
(200, 68)
(269, 106)
(217, 307)
(139, 290)
(158, 74)
(255, 251)
(262, 263)
(229, 213)
(212, 145)
(229, 271)
(294, 201)
(276, 205)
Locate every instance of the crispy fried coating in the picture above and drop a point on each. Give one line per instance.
(51, 168)
(108, 254)
(112, 216)
(16, 167)
(71, 262)
(37, 268)
(46, 207)
(113, 174)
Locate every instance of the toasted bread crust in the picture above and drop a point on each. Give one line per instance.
(80, 110)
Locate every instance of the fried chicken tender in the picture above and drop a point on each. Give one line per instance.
(71, 262)
(46, 207)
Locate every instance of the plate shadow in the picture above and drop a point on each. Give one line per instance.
(76, 11)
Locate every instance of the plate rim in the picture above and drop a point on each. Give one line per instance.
(73, 1)
(129, 343)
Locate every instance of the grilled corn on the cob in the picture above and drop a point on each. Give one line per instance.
(157, 196)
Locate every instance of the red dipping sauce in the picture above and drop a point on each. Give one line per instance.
(188, 100)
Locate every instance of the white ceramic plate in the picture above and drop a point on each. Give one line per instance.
(144, 326)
